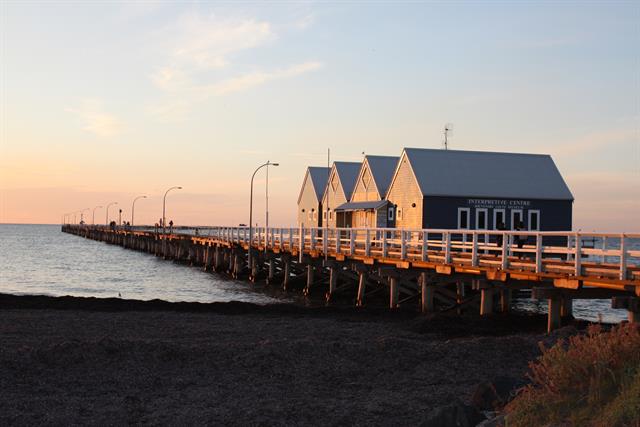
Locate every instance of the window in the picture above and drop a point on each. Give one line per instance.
(399, 213)
(324, 215)
(463, 218)
(330, 215)
(391, 216)
(516, 218)
(534, 220)
(481, 219)
(498, 218)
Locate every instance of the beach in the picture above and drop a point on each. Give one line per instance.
(110, 361)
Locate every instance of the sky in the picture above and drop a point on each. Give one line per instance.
(105, 101)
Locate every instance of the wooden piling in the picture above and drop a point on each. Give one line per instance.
(553, 319)
(505, 300)
(362, 283)
(286, 268)
(486, 301)
(393, 292)
(566, 309)
(428, 292)
(310, 274)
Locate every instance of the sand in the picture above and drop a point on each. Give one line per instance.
(88, 361)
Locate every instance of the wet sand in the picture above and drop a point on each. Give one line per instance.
(89, 361)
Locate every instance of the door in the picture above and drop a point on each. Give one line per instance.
(516, 218)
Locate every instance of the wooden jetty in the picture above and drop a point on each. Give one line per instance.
(458, 269)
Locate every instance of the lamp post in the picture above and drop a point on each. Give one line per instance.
(164, 204)
(106, 220)
(133, 206)
(93, 216)
(251, 206)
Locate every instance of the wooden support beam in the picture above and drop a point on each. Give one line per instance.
(271, 269)
(333, 282)
(286, 268)
(460, 291)
(486, 301)
(631, 304)
(310, 274)
(393, 292)
(362, 283)
(505, 300)
(427, 294)
(554, 316)
(566, 309)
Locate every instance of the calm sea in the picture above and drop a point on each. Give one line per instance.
(40, 259)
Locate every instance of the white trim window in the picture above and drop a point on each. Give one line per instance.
(481, 219)
(499, 217)
(463, 218)
(324, 215)
(534, 220)
(516, 216)
(391, 213)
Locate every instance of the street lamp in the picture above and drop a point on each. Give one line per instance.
(106, 220)
(164, 204)
(93, 216)
(133, 206)
(251, 207)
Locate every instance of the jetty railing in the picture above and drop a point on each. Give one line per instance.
(579, 254)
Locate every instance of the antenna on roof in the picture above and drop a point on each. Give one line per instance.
(448, 129)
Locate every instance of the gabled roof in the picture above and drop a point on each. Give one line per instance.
(348, 175)
(382, 169)
(486, 174)
(319, 178)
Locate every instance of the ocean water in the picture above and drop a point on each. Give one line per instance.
(41, 260)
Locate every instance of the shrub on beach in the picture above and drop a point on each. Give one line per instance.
(592, 379)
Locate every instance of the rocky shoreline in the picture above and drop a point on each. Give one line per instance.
(110, 361)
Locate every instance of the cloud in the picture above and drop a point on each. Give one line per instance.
(95, 120)
(199, 63)
(247, 81)
(206, 42)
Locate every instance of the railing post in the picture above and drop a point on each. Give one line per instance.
(301, 243)
(569, 246)
(281, 238)
(538, 253)
(425, 245)
(338, 241)
(352, 241)
(312, 239)
(578, 255)
(367, 243)
(384, 243)
(447, 247)
(506, 243)
(325, 241)
(474, 249)
(403, 245)
(623, 258)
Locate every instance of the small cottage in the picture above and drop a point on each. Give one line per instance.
(368, 206)
(478, 190)
(310, 197)
(342, 181)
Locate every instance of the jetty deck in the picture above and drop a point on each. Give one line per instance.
(457, 268)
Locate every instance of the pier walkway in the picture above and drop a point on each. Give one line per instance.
(458, 269)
